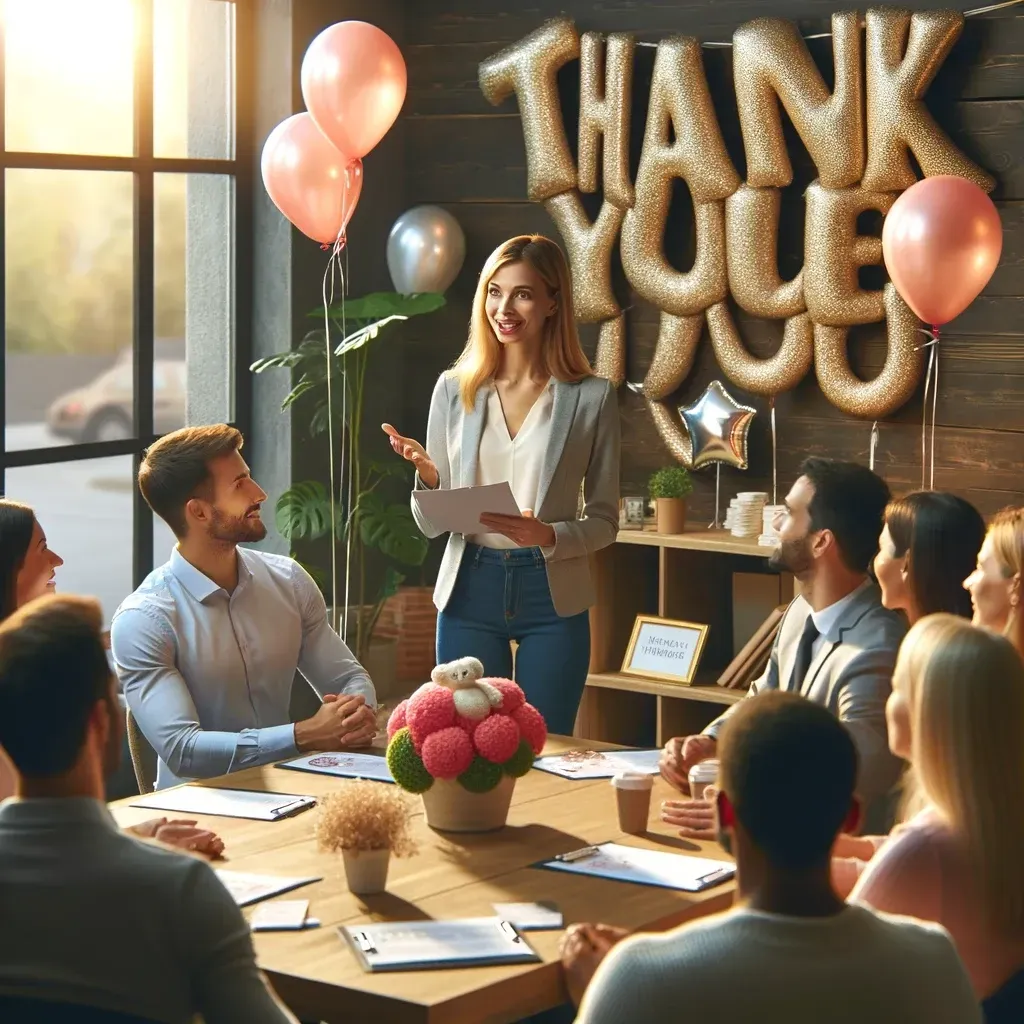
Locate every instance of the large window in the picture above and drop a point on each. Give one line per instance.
(127, 267)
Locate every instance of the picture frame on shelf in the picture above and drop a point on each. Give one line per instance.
(633, 513)
(665, 649)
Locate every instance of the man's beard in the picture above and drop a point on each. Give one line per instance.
(236, 529)
(793, 556)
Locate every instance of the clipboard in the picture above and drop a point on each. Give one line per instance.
(437, 945)
(640, 866)
(227, 803)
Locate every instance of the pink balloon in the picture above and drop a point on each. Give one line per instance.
(941, 243)
(310, 182)
(353, 82)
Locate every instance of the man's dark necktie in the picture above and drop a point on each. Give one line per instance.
(804, 654)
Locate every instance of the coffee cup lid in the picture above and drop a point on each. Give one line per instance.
(705, 771)
(632, 780)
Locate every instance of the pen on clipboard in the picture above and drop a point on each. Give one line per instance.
(581, 854)
(713, 876)
(292, 805)
(364, 942)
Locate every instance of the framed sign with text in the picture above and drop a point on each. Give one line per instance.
(665, 649)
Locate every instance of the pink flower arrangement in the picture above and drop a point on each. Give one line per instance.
(428, 739)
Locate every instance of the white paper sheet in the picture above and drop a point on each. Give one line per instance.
(645, 867)
(247, 888)
(349, 766)
(593, 764)
(408, 945)
(227, 803)
(458, 510)
(530, 917)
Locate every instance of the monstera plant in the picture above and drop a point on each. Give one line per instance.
(374, 520)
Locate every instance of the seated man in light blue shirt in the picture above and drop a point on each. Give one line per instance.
(91, 916)
(207, 648)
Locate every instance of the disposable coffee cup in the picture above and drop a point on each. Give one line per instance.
(701, 776)
(633, 799)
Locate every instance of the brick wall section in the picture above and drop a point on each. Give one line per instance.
(411, 616)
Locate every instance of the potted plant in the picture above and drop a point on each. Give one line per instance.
(376, 522)
(670, 487)
(465, 768)
(367, 822)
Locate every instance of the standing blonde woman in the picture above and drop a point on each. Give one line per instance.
(956, 713)
(521, 404)
(995, 585)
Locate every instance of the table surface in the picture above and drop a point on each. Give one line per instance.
(452, 876)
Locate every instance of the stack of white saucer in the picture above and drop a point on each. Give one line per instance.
(769, 535)
(747, 514)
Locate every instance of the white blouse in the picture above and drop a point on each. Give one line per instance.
(517, 460)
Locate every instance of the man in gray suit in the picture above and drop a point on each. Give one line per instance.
(836, 644)
(165, 941)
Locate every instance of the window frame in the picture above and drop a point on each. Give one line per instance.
(144, 166)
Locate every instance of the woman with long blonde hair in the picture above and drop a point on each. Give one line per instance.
(956, 714)
(995, 585)
(521, 404)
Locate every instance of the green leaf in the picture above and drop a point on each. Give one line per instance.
(304, 511)
(391, 529)
(357, 339)
(379, 305)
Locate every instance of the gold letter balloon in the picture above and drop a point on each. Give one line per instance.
(861, 135)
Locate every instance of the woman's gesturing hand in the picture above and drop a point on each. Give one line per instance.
(412, 451)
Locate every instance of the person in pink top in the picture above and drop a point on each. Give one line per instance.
(956, 714)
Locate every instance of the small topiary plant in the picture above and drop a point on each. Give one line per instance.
(670, 482)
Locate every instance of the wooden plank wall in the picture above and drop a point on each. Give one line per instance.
(469, 157)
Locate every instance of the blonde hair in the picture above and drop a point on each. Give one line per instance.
(1007, 535)
(564, 358)
(965, 693)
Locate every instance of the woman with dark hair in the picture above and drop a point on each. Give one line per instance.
(929, 545)
(27, 565)
(27, 571)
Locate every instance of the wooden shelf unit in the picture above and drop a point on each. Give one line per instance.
(685, 576)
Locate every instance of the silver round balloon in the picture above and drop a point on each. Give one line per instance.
(426, 248)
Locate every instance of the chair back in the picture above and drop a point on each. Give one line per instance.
(143, 756)
(1006, 1004)
(37, 1011)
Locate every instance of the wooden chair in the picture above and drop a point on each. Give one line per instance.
(143, 755)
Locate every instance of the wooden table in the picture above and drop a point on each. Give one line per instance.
(452, 876)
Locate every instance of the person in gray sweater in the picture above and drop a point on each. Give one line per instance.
(89, 915)
(791, 949)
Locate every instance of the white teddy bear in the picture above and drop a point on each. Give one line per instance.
(473, 697)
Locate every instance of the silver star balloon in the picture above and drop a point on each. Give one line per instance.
(718, 426)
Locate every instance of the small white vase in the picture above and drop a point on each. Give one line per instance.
(366, 870)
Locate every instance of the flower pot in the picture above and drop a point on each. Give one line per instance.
(450, 807)
(366, 870)
(671, 515)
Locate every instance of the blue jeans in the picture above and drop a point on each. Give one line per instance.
(502, 595)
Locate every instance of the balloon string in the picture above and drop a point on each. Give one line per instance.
(931, 387)
(351, 447)
(874, 446)
(775, 474)
(340, 616)
(715, 525)
(328, 297)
